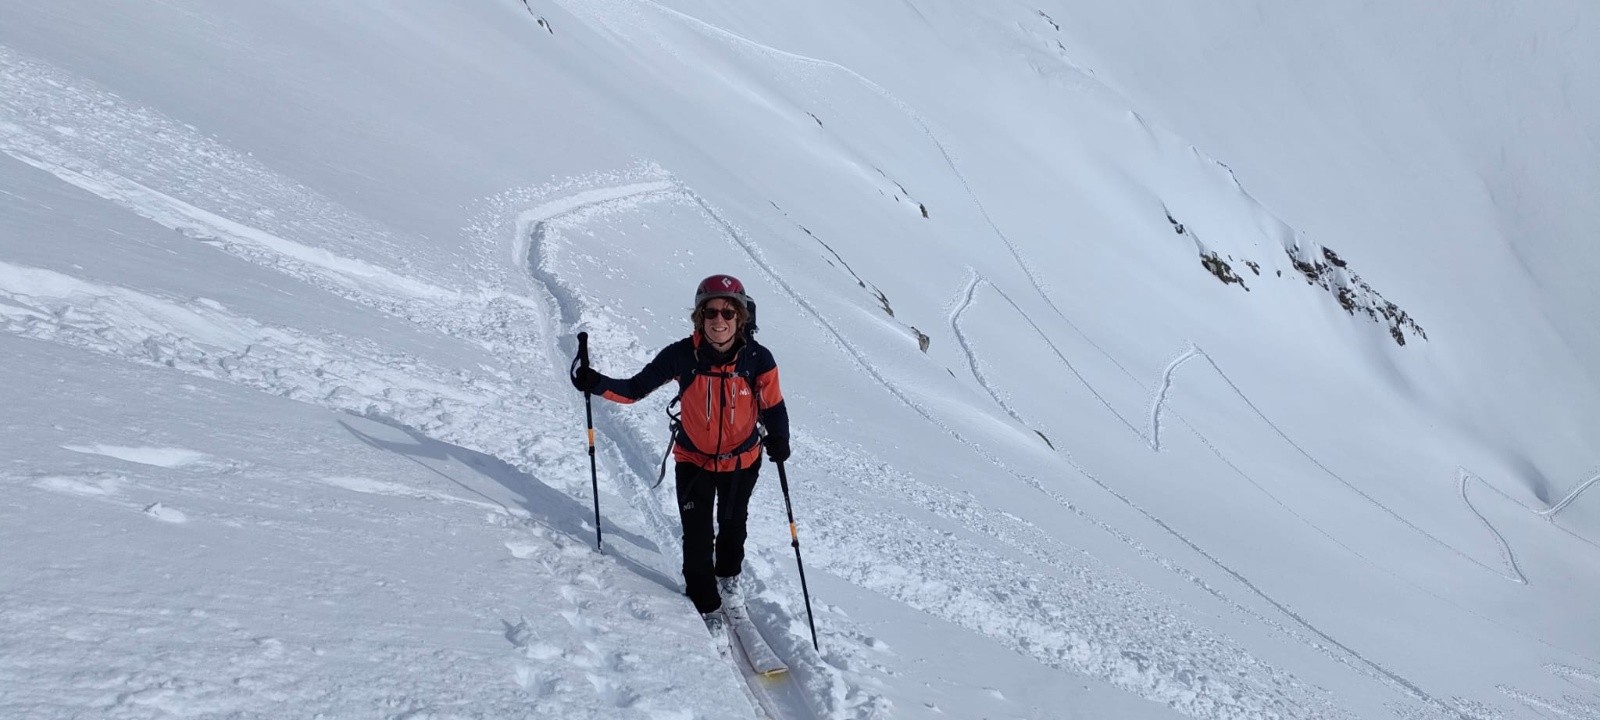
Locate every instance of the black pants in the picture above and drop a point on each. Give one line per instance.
(712, 550)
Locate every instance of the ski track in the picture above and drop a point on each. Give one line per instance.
(779, 700)
(1327, 643)
(1573, 673)
(1500, 540)
(1556, 509)
(968, 296)
(1549, 514)
(1507, 555)
(1514, 576)
(922, 122)
(1344, 654)
(1573, 710)
(1158, 401)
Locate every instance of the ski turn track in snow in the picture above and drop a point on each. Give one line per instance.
(1321, 641)
(1325, 643)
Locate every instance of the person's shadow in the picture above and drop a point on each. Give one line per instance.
(543, 504)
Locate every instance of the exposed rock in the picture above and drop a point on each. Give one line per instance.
(1220, 268)
(1332, 273)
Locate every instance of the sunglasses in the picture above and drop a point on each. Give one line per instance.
(712, 313)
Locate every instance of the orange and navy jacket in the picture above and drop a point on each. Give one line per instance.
(721, 398)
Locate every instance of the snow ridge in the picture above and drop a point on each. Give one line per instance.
(73, 122)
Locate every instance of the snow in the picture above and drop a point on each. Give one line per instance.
(1071, 303)
(159, 457)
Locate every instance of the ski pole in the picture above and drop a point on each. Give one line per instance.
(588, 412)
(794, 540)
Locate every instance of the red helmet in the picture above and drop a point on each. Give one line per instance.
(721, 286)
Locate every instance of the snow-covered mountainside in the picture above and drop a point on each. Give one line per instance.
(1145, 359)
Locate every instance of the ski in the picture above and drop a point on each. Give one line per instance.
(757, 652)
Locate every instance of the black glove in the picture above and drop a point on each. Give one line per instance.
(777, 448)
(586, 379)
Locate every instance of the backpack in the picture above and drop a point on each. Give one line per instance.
(675, 419)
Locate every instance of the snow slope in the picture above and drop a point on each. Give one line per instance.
(1144, 360)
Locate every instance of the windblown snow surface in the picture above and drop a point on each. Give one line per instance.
(1145, 359)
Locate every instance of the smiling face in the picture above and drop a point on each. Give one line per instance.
(719, 321)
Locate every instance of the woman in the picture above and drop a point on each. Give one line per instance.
(727, 382)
